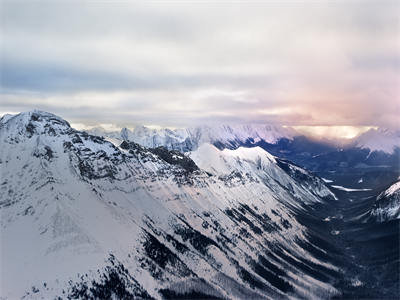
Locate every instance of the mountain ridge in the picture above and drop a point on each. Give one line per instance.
(102, 217)
(187, 139)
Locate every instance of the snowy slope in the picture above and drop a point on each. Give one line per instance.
(387, 205)
(187, 139)
(257, 162)
(84, 218)
(380, 139)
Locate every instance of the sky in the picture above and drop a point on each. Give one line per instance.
(310, 64)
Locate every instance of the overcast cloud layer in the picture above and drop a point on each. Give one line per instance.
(180, 63)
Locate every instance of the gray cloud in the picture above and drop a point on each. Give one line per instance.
(297, 63)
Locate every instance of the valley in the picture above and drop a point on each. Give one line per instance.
(367, 251)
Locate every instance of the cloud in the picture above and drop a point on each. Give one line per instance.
(175, 64)
(332, 132)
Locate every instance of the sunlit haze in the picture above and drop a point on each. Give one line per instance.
(331, 132)
(329, 64)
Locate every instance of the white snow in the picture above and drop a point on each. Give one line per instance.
(356, 282)
(342, 188)
(57, 223)
(209, 158)
(387, 205)
(186, 139)
(256, 162)
(250, 154)
(327, 180)
(380, 139)
(393, 189)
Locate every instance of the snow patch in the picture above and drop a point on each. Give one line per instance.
(342, 188)
(356, 282)
(326, 180)
(393, 189)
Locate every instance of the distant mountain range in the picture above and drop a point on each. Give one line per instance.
(377, 150)
(227, 136)
(189, 139)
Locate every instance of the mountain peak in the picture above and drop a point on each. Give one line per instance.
(380, 139)
(34, 115)
(34, 122)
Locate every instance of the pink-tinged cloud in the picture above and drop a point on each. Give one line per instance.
(174, 64)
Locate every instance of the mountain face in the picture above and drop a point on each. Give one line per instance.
(188, 139)
(225, 136)
(380, 139)
(369, 161)
(387, 204)
(351, 167)
(83, 218)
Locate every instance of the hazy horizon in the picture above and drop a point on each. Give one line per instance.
(332, 133)
(323, 67)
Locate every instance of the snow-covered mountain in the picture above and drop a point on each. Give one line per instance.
(187, 139)
(81, 217)
(380, 139)
(224, 136)
(387, 204)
